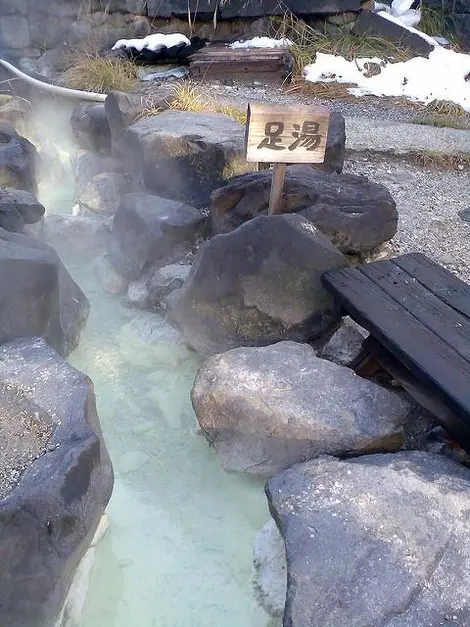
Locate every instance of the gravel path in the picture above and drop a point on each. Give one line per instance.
(428, 202)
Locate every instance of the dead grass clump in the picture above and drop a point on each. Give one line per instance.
(91, 72)
(190, 97)
(436, 159)
(307, 41)
(442, 121)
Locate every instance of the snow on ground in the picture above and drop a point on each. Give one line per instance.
(154, 42)
(262, 42)
(441, 77)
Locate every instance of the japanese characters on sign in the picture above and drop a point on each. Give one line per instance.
(276, 134)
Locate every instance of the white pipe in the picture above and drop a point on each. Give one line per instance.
(77, 94)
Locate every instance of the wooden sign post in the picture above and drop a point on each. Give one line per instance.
(282, 134)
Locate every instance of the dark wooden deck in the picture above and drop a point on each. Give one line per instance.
(268, 65)
(419, 313)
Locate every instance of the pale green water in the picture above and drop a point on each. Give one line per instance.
(178, 552)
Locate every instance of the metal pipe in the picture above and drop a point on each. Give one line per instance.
(65, 92)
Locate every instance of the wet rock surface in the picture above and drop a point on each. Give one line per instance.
(263, 409)
(17, 208)
(90, 128)
(60, 480)
(150, 230)
(354, 213)
(151, 290)
(18, 160)
(380, 540)
(39, 296)
(257, 285)
(103, 193)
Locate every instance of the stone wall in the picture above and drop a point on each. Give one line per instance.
(31, 27)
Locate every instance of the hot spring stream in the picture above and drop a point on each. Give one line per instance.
(178, 550)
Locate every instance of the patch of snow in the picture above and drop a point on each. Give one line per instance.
(262, 42)
(154, 42)
(441, 77)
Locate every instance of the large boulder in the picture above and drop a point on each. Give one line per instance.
(17, 208)
(39, 297)
(257, 285)
(56, 479)
(376, 540)
(151, 290)
(18, 160)
(263, 409)
(354, 213)
(149, 230)
(123, 110)
(86, 165)
(184, 156)
(103, 193)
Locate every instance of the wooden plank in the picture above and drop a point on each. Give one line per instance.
(426, 307)
(438, 280)
(277, 185)
(280, 134)
(431, 360)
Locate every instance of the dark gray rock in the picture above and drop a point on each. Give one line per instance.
(17, 208)
(111, 281)
(78, 233)
(123, 110)
(90, 128)
(354, 213)
(14, 31)
(48, 519)
(464, 214)
(345, 346)
(18, 160)
(86, 165)
(335, 145)
(185, 156)
(265, 408)
(377, 540)
(258, 285)
(374, 25)
(103, 193)
(149, 230)
(251, 9)
(39, 297)
(151, 290)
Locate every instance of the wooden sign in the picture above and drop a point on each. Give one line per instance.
(282, 134)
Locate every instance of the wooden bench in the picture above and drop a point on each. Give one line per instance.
(418, 316)
(272, 66)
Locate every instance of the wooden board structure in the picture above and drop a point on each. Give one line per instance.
(419, 314)
(282, 134)
(271, 66)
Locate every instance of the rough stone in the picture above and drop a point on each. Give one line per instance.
(48, 519)
(17, 208)
(265, 408)
(345, 345)
(90, 128)
(18, 159)
(39, 297)
(123, 110)
(335, 145)
(103, 193)
(14, 31)
(354, 213)
(149, 230)
(110, 280)
(376, 540)
(79, 233)
(252, 9)
(184, 156)
(86, 165)
(151, 290)
(374, 25)
(258, 285)
(270, 569)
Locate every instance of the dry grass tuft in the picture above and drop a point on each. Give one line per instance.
(190, 97)
(89, 71)
(435, 159)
